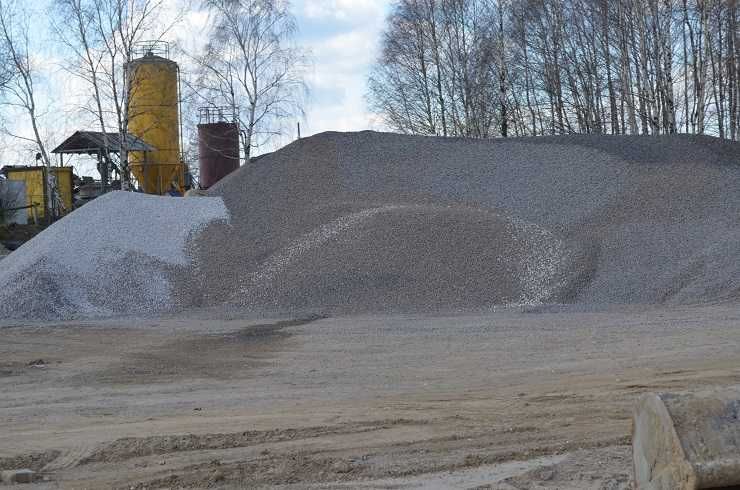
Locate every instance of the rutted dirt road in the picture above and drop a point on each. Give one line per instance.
(505, 400)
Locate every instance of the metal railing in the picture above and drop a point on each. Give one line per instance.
(152, 48)
(211, 114)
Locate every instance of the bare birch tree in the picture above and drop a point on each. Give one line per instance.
(557, 66)
(252, 65)
(19, 91)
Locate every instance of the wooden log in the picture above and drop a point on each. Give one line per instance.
(687, 441)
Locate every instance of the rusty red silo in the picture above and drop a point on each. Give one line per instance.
(218, 148)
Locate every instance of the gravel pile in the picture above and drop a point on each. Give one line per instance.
(373, 222)
(352, 223)
(116, 254)
(386, 257)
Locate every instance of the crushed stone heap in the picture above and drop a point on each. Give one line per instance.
(374, 222)
(117, 254)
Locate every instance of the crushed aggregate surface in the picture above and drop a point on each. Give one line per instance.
(348, 223)
(374, 222)
(113, 255)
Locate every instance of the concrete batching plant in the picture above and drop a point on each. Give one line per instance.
(218, 144)
(154, 116)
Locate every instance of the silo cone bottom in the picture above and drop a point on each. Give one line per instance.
(687, 441)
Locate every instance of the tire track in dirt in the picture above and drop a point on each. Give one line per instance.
(133, 447)
(69, 457)
(310, 468)
(32, 461)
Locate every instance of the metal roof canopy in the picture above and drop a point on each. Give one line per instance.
(93, 142)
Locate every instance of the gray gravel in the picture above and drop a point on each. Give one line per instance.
(382, 223)
(113, 255)
(373, 222)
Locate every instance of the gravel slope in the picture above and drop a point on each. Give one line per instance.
(377, 223)
(359, 222)
(114, 255)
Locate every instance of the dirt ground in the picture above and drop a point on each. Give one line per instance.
(509, 399)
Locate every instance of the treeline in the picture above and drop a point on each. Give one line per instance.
(488, 68)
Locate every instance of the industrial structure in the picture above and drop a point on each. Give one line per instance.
(13, 208)
(218, 144)
(151, 146)
(106, 147)
(48, 190)
(154, 116)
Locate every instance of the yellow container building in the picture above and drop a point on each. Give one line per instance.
(36, 195)
(154, 117)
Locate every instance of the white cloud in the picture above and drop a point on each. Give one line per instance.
(342, 59)
(355, 11)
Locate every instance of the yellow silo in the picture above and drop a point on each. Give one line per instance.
(154, 117)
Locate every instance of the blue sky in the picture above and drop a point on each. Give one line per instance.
(342, 37)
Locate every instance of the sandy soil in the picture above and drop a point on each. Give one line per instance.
(504, 400)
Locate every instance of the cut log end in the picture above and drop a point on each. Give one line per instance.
(687, 441)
